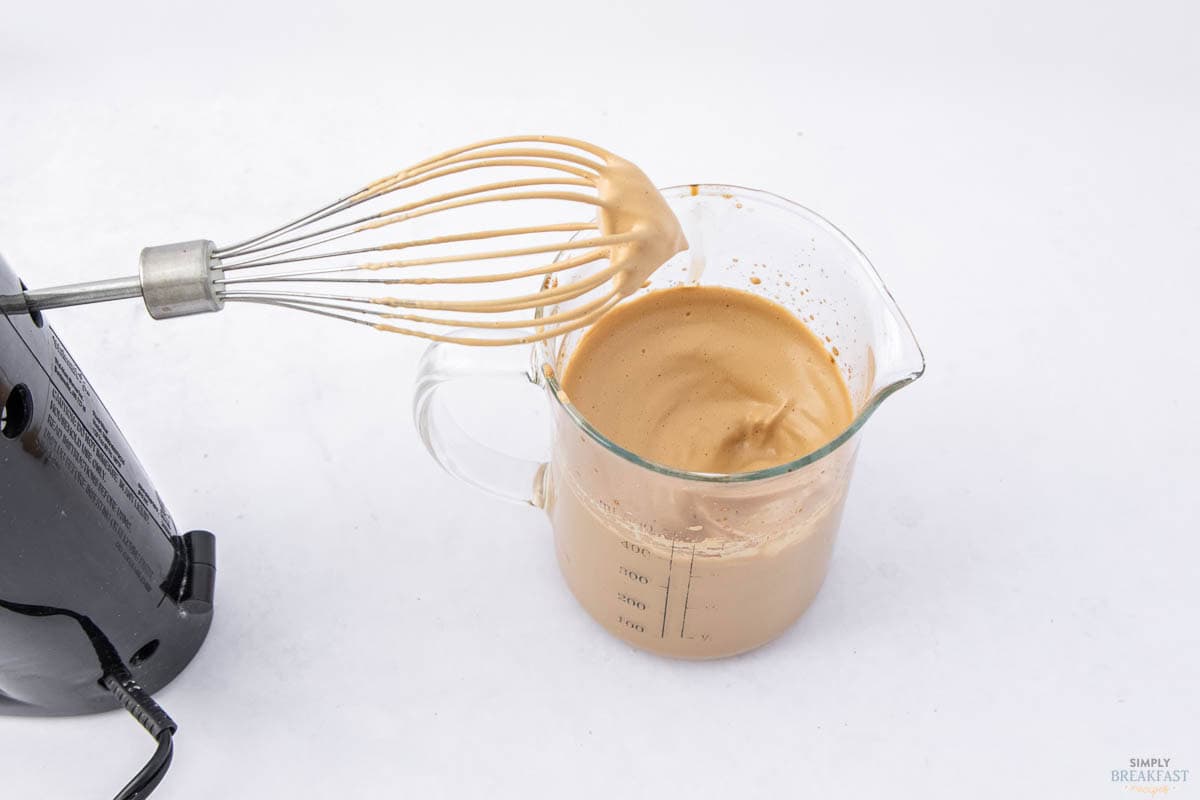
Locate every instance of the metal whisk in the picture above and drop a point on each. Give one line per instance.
(334, 261)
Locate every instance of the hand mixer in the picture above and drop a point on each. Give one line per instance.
(102, 600)
(294, 265)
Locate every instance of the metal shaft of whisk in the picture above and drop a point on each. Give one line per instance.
(78, 294)
(173, 280)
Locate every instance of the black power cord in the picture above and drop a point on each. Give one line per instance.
(129, 693)
(138, 702)
(145, 781)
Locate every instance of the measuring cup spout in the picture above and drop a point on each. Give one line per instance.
(895, 357)
(883, 354)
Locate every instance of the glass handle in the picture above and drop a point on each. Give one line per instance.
(455, 450)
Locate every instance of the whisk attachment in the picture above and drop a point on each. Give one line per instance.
(347, 260)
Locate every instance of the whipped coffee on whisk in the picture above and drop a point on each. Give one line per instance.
(638, 233)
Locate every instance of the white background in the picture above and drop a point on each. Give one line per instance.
(1012, 607)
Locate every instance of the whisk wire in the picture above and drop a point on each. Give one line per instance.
(304, 241)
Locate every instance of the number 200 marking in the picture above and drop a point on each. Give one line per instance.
(632, 601)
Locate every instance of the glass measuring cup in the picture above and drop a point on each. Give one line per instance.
(687, 564)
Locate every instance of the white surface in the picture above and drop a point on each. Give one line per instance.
(1012, 606)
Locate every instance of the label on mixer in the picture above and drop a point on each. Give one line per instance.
(80, 438)
(68, 377)
(90, 412)
(82, 456)
(70, 380)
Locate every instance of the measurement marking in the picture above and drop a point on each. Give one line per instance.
(667, 598)
(688, 592)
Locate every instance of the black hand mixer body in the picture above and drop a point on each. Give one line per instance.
(94, 578)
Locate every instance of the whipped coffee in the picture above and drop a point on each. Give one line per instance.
(708, 379)
(711, 380)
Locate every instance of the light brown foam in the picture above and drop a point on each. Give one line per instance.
(708, 379)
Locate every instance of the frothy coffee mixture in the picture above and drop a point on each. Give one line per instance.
(708, 379)
(638, 234)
